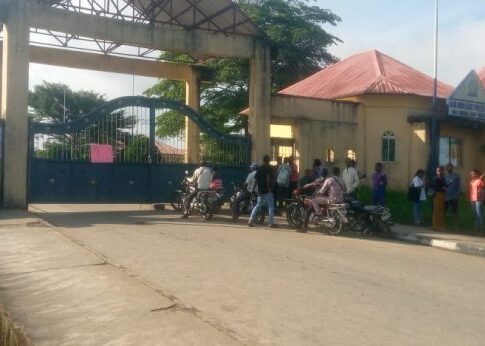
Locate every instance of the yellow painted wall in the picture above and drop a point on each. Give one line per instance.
(318, 125)
(390, 113)
(359, 123)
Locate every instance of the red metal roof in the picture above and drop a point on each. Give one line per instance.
(370, 72)
(164, 148)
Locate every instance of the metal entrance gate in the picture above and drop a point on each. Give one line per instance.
(129, 150)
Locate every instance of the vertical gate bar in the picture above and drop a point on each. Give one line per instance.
(152, 132)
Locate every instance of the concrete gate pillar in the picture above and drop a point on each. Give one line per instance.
(192, 132)
(260, 102)
(15, 84)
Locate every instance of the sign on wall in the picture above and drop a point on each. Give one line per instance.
(468, 99)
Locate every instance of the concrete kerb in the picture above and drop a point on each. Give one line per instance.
(455, 246)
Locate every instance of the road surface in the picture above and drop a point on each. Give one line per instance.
(279, 287)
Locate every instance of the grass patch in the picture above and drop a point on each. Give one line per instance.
(402, 210)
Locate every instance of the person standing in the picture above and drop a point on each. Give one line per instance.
(477, 186)
(305, 180)
(295, 175)
(439, 188)
(453, 188)
(249, 188)
(350, 176)
(417, 185)
(318, 170)
(265, 183)
(379, 184)
(283, 175)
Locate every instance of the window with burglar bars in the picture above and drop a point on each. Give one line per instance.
(388, 147)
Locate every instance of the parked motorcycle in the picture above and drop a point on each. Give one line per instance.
(369, 218)
(332, 218)
(296, 210)
(246, 205)
(204, 203)
(177, 196)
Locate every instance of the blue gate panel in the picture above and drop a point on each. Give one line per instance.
(131, 183)
(91, 183)
(143, 168)
(166, 179)
(50, 182)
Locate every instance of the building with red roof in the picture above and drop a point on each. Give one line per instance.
(374, 108)
(368, 73)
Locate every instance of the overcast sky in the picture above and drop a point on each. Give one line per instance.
(401, 29)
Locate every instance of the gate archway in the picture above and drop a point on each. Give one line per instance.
(114, 154)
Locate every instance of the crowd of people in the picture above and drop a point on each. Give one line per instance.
(444, 190)
(274, 186)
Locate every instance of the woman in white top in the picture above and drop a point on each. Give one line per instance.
(418, 183)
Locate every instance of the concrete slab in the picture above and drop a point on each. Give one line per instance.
(63, 294)
(24, 249)
(100, 305)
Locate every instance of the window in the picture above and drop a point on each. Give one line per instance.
(351, 155)
(281, 131)
(388, 147)
(330, 156)
(450, 151)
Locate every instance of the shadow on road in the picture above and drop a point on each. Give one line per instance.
(91, 218)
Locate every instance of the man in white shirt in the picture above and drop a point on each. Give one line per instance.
(350, 176)
(202, 177)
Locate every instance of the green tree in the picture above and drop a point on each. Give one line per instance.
(298, 45)
(46, 102)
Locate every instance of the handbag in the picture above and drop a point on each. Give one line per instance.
(414, 193)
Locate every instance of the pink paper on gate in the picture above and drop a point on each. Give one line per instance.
(101, 153)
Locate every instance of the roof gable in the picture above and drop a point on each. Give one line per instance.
(470, 89)
(370, 72)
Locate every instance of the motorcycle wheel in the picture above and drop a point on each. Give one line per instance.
(176, 200)
(383, 228)
(339, 225)
(295, 215)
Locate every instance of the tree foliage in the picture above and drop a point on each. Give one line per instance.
(298, 45)
(46, 102)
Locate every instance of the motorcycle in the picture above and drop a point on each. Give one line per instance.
(332, 218)
(204, 203)
(369, 218)
(246, 205)
(176, 199)
(296, 210)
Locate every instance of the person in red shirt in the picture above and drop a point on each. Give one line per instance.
(476, 194)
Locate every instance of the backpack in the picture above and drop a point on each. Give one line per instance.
(283, 177)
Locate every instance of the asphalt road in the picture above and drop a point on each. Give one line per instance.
(279, 287)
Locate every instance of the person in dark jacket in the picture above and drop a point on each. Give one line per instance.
(266, 183)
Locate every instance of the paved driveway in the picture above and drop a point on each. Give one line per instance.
(279, 287)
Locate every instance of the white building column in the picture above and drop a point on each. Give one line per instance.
(192, 132)
(14, 111)
(260, 102)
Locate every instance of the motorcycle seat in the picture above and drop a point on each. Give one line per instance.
(357, 204)
(373, 208)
